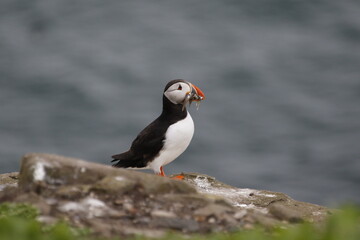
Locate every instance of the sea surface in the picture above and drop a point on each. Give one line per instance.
(281, 77)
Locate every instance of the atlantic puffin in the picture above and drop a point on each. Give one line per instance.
(163, 140)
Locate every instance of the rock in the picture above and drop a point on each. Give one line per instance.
(162, 214)
(183, 225)
(264, 220)
(285, 213)
(89, 207)
(39, 169)
(119, 202)
(117, 185)
(72, 191)
(279, 205)
(8, 180)
(213, 209)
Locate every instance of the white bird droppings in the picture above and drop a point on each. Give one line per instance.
(203, 185)
(92, 207)
(120, 178)
(318, 213)
(266, 195)
(233, 195)
(70, 206)
(93, 202)
(39, 171)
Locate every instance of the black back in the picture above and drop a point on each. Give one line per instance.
(150, 140)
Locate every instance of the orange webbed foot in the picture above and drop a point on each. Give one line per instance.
(178, 177)
(162, 173)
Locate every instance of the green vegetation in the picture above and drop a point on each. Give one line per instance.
(19, 210)
(18, 222)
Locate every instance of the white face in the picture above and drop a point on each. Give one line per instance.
(176, 93)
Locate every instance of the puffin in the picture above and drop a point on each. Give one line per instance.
(168, 136)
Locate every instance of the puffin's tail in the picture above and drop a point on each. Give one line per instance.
(126, 160)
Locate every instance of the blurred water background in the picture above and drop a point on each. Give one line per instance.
(282, 80)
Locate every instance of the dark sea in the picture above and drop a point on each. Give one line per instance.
(282, 81)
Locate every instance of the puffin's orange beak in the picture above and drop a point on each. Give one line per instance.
(200, 94)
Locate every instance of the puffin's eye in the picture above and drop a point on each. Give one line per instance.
(180, 87)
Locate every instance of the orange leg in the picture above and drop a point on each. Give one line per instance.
(162, 172)
(179, 177)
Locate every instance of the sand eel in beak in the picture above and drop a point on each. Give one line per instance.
(194, 95)
(168, 136)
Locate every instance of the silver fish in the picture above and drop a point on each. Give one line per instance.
(190, 97)
(197, 105)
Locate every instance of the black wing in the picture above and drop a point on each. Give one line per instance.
(145, 147)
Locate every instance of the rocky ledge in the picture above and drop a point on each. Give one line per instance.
(113, 202)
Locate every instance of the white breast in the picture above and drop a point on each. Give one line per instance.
(177, 139)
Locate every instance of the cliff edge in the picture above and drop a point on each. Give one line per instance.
(113, 202)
